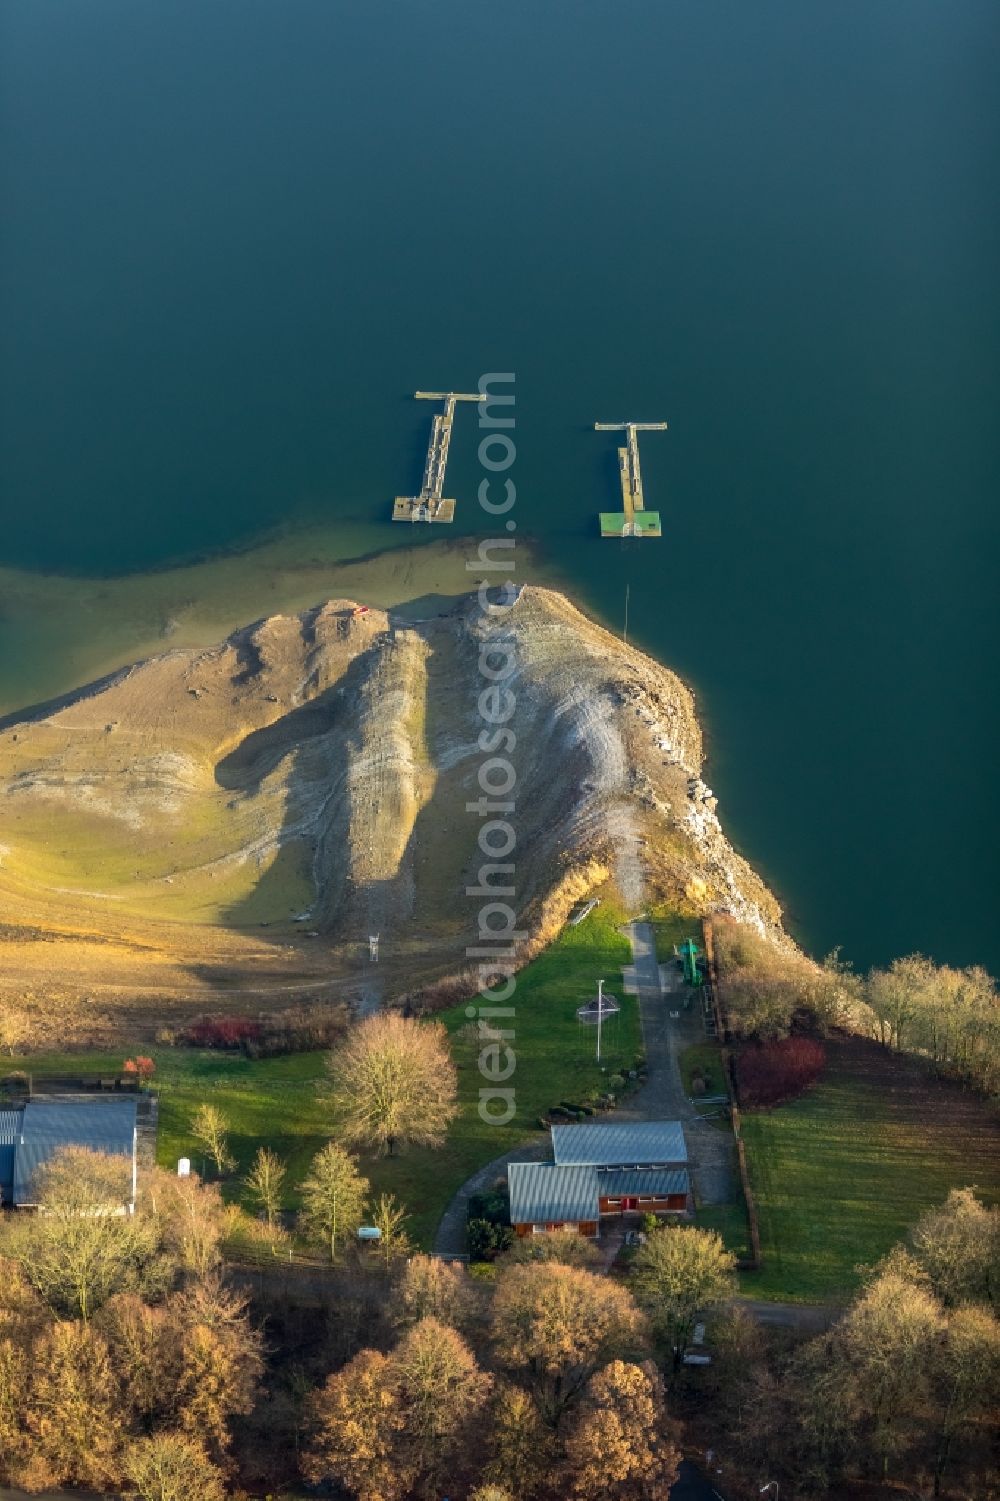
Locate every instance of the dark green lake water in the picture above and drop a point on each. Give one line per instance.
(237, 235)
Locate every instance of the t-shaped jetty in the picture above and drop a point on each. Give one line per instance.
(430, 504)
(633, 520)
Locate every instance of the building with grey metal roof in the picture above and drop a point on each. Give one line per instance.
(31, 1136)
(601, 1170)
(542, 1193)
(643, 1183)
(623, 1144)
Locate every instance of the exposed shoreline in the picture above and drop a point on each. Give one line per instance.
(172, 828)
(59, 631)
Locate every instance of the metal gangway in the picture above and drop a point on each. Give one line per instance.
(430, 504)
(633, 520)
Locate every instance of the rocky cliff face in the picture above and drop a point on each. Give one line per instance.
(249, 815)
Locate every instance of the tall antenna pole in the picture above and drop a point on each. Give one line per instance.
(600, 1013)
(625, 637)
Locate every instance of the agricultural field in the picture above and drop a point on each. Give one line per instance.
(277, 1102)
(842, 1173)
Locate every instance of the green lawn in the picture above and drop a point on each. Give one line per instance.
(841, 1174)
(730, 1220)
(555, 1062)
(707, 1057)
(275, 1102)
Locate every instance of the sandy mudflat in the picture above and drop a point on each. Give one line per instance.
(58, 632)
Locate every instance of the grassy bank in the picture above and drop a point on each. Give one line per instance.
(555, 1062)
(841, 1174)
(277, 1102)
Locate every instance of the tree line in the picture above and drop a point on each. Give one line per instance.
(128, 1360)
(904, 1386)
(950, 1016)
(124, 1357)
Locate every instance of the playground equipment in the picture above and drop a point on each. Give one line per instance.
(688, 953)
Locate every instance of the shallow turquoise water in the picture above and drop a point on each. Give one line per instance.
(239, 235)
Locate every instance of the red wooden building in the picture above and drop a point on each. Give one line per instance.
(601, 1171)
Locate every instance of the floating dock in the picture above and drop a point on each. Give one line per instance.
(633, 520)
(430, 504)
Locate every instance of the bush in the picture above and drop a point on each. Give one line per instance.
(221, 1032)
(487, 1241)
(494, 1205)
(300, 1029)
(776, 1071)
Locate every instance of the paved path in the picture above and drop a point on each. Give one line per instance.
(710, 1150)
(450, 1237)
(803, 1318)
(693, 1484)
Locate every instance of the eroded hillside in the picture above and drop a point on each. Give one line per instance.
(243, 818)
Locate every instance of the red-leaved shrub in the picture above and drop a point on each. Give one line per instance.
(221, 1032)
(144, 1067)
(776, 1071)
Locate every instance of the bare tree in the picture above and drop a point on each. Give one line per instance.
(441, 1388)
(209, 1128)
(432, 1288)
(678, 1274)
(523, 1447)
(172, 1467)
(357, 1429)
(965, 1371)
(958, 1246)
(190, 1217)
(559, 1324)
(394, 1081)
(617, 1445)
(72, 1416)
(333, 1197)
(390, 1218)
(265, 1184)
(79, 1252)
